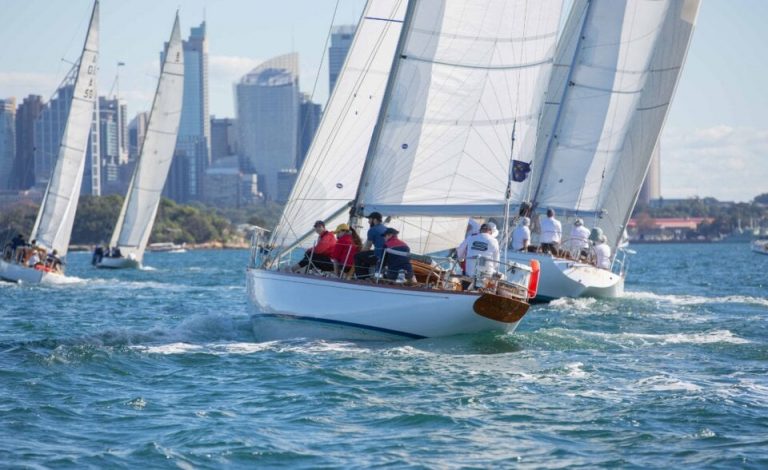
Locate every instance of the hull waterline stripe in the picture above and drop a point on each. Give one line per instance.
(342, 323)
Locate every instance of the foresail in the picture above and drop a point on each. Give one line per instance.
(652, 110)
(330, 174)
(603, 64)
(53, 227)
(469, 73)
(140, 206)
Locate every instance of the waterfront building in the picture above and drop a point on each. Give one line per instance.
(267, 101)
(193, 142)
(7, 141)
(23, 176)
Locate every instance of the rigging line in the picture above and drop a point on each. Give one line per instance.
(481, 67)
(324, 151)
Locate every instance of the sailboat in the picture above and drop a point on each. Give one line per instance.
(419, 127)
(137, 215)
(53, 225)
(616, 69)
(760, 246)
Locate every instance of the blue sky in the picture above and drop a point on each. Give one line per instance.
(715, 142)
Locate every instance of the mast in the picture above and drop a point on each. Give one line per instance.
(568, 85)
(508, 192)
(355, 211)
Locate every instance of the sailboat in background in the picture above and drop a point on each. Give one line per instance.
(137, 215)
(419, 127)
(53, 226)
(616, 69)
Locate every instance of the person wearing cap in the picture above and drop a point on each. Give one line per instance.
(602, 253)
(347, 246)
(551, 232)
(579, 238)
(373, 251)
(394, 262)
(480, 244)
(493, 230)
(521, 236)
(320, 254)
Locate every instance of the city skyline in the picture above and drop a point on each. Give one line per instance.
(713, 144)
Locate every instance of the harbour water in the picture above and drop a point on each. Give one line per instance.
(162, 368)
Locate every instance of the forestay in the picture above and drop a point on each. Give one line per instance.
(468, 73)
(329, 176)
(53, 227)
(602, 66)
(137, 215)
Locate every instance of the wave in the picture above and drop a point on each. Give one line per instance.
(696, 299)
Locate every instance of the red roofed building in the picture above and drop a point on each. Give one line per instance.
(644, 227)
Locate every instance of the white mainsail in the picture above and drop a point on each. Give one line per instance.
(53, 227)
(330, 173)
(466, 75)
(137, 215)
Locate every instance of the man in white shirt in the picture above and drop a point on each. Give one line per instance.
(33, 260)
(579, 239)
(521, 236)
(602, 253)
(481, 244)
(551, 233)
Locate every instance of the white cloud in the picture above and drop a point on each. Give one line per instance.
(728, 163)
(223, 73)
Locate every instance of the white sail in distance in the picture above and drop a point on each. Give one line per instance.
(53, 227)
(651, 112)
(139, 209)
(468, 73)
(331, 171)
(601, 69)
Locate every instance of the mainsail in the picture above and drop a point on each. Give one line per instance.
(53, 227)
(466, 75)
(137, 215)
(328, 179)
(615, 72)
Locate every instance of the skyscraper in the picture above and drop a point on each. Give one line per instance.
(136, 130)
(223, 138)
(7, 141)
(192, 153)
(268, 119)
(651, 188)
(24, 164)
(341, 41)
(309, 120)
(49, 127)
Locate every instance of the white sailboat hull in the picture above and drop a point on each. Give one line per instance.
(760, 246)
(567, 278)
(13, 272)
(351, 309)
(118, 263)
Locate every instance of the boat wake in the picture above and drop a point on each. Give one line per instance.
(695, 299)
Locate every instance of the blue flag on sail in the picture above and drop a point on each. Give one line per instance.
(520, 170)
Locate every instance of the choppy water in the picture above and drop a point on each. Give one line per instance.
(162, 368)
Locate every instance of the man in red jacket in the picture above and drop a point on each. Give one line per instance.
(320, 254)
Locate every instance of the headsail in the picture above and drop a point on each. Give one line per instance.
(330, 174)
(137, 215)
(603, 66)
(650, 114)
(53, 227)
(468, 73)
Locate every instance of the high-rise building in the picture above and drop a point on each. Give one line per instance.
(267, 101)
(24, 164)
(48, 130)
(7, 141)
(309, 120)
(651, 188)
(136, 131)
(223, 138)
(193, 142)
(341, 41)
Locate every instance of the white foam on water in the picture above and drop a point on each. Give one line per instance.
(661, 383)
(674, 299)
(579, 303)
(170, 348)
(576, 370)
(147, 268)
(646, 339)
